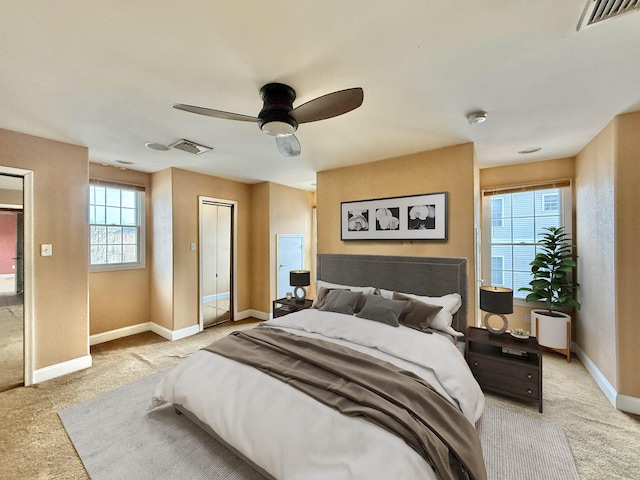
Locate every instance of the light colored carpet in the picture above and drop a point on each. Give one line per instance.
(116, 438)
(34, 445)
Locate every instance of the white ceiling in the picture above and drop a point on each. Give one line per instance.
(103, 74)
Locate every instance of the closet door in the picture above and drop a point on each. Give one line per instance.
(216, 260)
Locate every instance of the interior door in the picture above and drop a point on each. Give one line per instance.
(216, 259)
(290, 256)
(20, 253)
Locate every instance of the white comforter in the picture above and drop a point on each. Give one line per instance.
(293, 436)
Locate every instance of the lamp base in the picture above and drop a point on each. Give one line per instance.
(498, 331)
(300, 293)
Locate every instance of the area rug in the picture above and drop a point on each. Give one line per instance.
(116, 437)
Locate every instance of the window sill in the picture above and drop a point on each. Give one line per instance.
(115, 268)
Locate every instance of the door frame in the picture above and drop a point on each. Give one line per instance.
(28, 293)
(233, 305)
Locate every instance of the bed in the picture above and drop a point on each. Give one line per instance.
(290, 430)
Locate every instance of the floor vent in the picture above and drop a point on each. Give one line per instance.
(190, 147)
(598, 10)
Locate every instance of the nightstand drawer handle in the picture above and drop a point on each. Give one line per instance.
(475, 364)
(529, 375)
(529, 391)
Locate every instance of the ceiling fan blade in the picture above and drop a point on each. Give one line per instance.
(289, 145)
(329, 105)
(214, 113)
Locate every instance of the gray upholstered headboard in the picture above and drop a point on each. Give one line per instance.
(433, 276)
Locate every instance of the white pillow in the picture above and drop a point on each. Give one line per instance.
(322, 283)
(450, 302)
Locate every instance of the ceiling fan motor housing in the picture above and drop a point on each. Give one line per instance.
(274, 118)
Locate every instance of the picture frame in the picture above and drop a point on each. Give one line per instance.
(414, 217)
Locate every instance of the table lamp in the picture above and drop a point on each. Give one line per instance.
(496, 301)
(300, 279)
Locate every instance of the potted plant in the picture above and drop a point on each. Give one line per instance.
(551, 283)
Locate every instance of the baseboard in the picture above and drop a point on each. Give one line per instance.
(628, 404)
(119, 333)
(252, 313)
(59, 369)
(621, 402)
(174, 334)
(163, 331)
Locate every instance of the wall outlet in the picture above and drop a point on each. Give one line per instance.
(527, 318)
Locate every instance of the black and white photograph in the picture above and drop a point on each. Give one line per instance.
(422, 217)
(414, 217)
(358, 220)
(388, 218)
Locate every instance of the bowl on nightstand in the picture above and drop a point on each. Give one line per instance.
(519, 334)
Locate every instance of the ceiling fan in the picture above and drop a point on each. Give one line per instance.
(278, 118)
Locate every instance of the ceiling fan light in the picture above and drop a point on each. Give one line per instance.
(278, 129)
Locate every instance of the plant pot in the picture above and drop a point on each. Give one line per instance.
(552, 331)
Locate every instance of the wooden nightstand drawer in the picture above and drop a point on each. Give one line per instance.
(517, 369)
(513, 375)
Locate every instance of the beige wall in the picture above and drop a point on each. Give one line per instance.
(260, 248)
(161, 260)
(290, 213)
(607, 198)
(451, 170)
(175, 217)
(523, 174)
(61, 309)
(10, 197)
(276, 210)
(129, 287)
(595, 185)
(627, 201)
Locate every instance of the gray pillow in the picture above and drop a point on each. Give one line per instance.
(384, 310)
(417, 315)
(321, 296)
(340, 301)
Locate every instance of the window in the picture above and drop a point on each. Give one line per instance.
(550, 202)
(116, 220)
(513, 223)
(497, 208)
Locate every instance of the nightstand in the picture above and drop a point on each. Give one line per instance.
(284, 306)
(505, 365)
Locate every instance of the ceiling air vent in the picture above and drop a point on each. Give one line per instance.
(190, 147)
(598, 10)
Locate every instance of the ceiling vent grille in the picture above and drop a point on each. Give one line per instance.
(598, 10)
(190, 147)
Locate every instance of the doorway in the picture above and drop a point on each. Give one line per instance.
(217, 261)
(12, 324)
(290, 256)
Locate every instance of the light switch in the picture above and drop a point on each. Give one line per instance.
(193, 246)
(46, 250)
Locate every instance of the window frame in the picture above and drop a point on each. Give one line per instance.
(140, 202)
(566, 219)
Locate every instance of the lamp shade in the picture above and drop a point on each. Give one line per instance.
(496, 299)
(299, 278)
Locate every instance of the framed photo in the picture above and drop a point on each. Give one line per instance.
(417, 217)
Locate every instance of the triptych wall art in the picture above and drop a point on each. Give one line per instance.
(417, 217)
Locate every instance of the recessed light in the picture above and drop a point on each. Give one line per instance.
(529, 150)
(476, 117)
(124, 162)
(156, 146)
